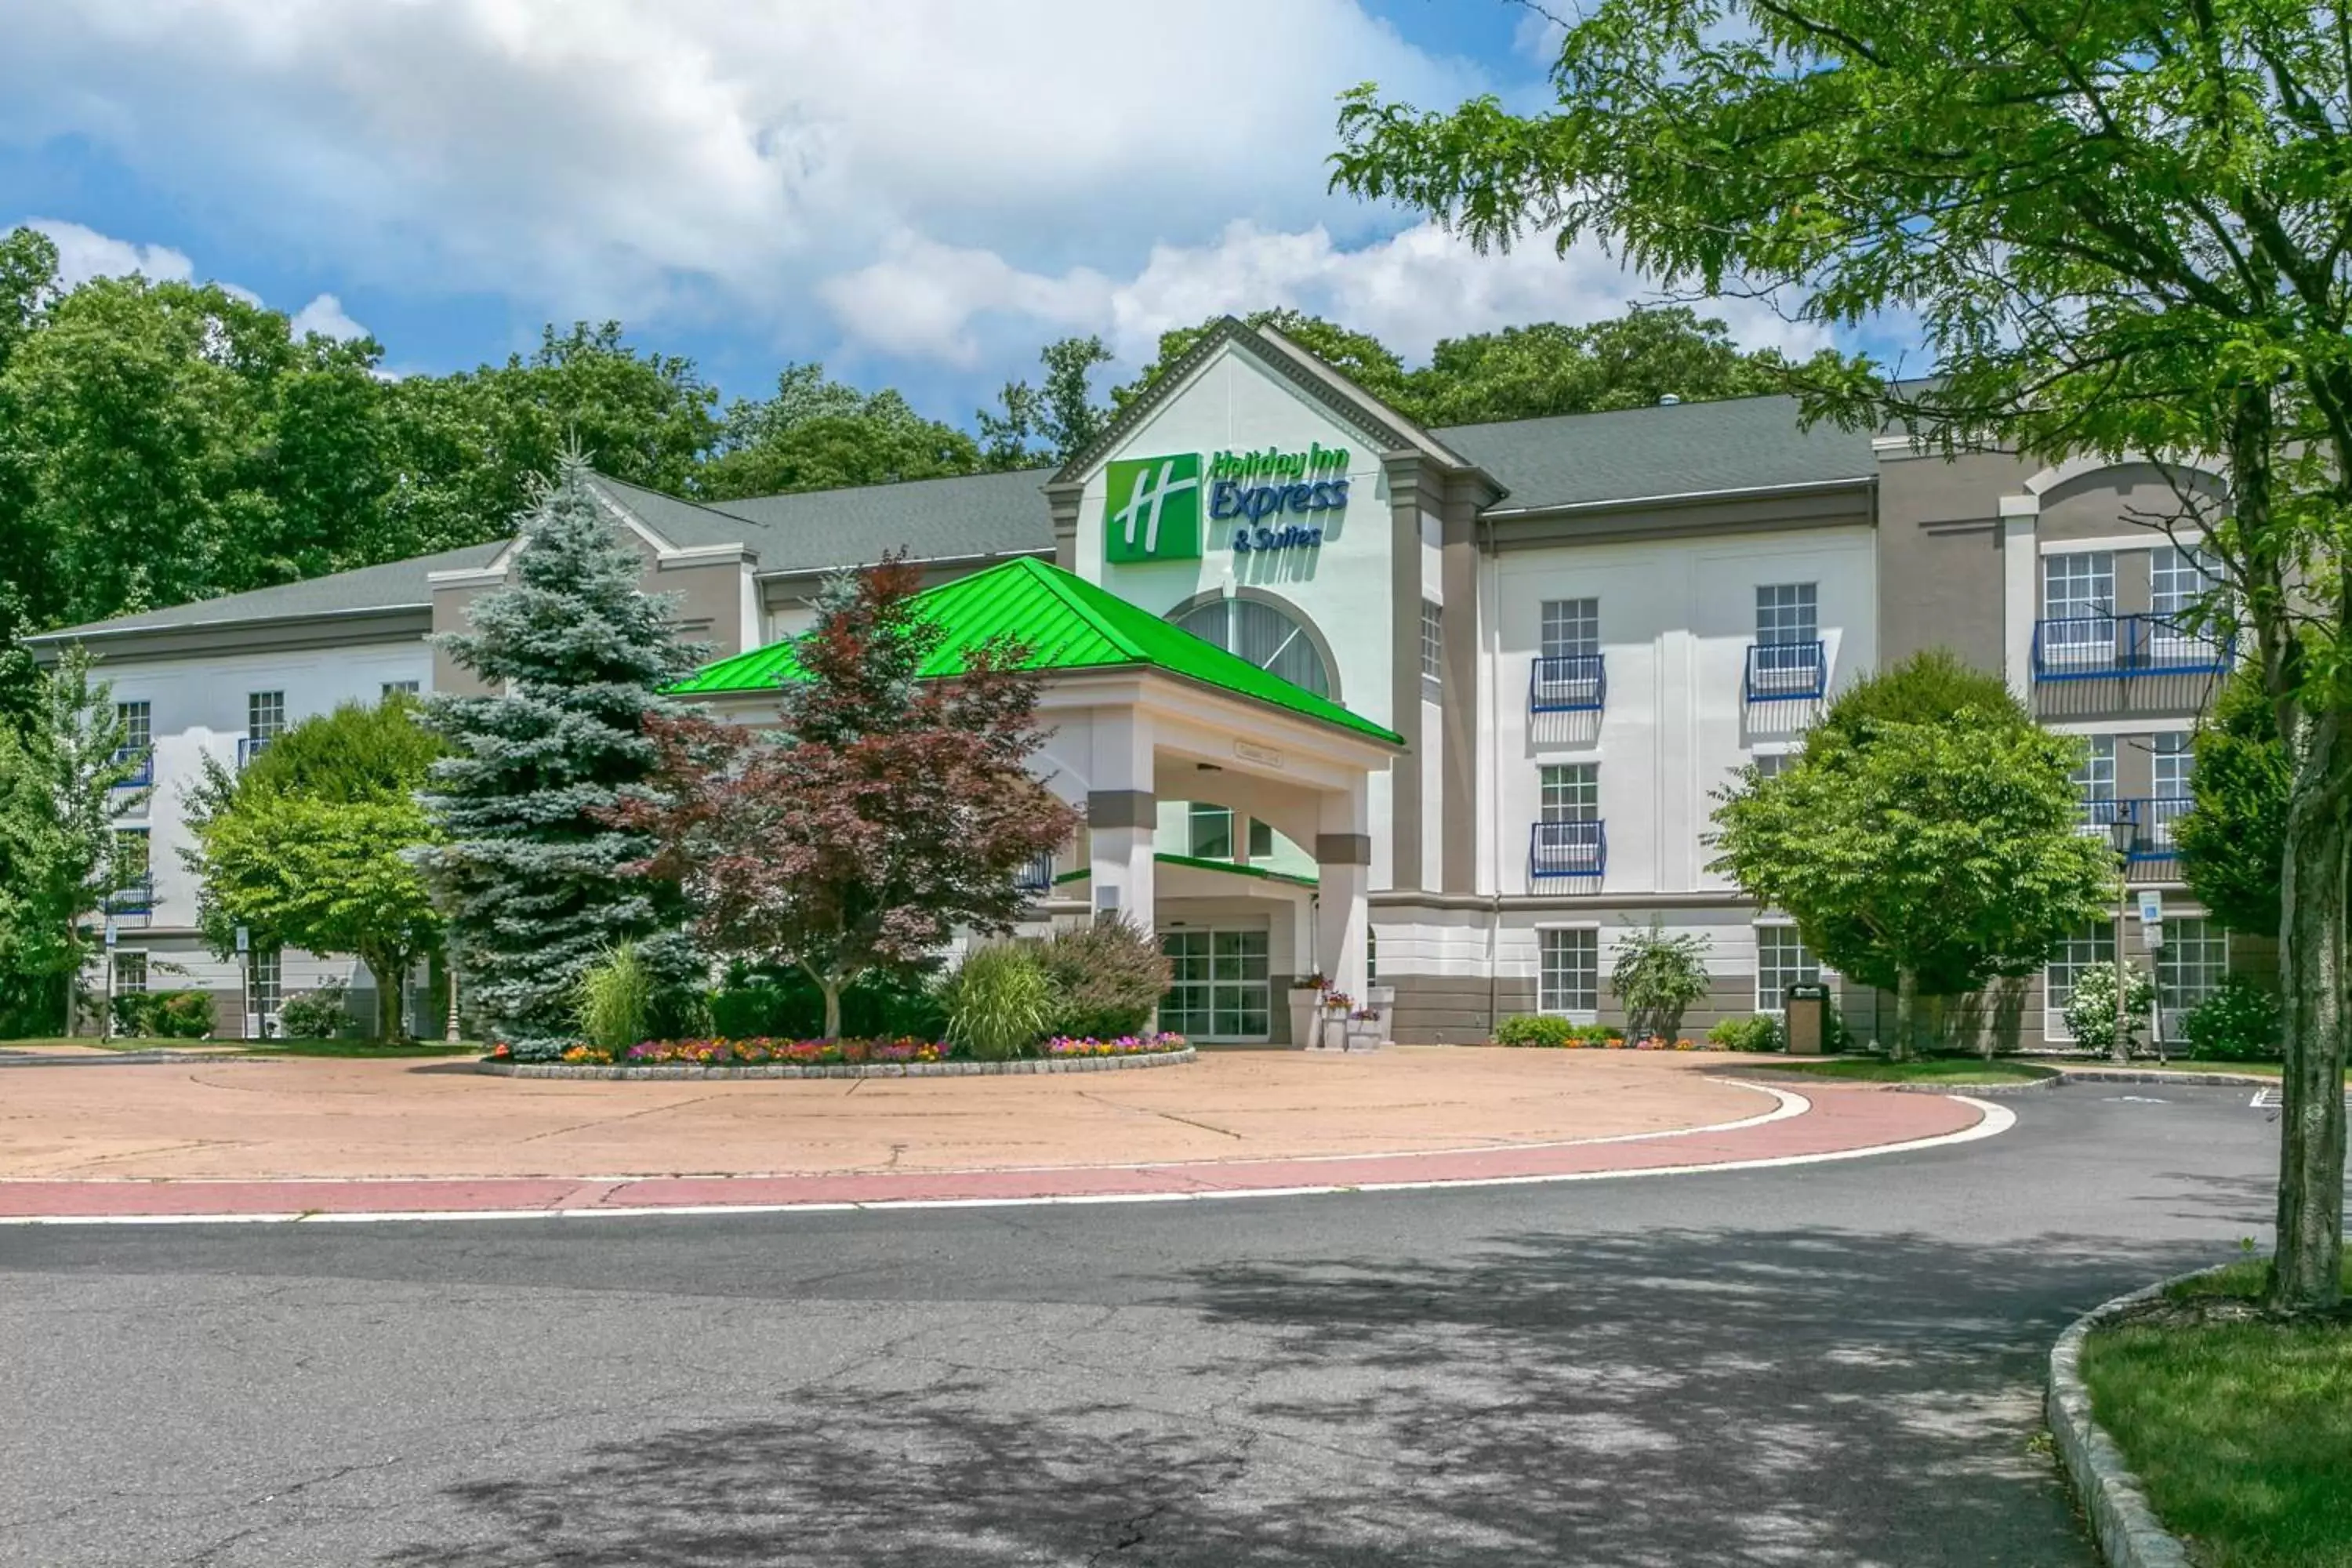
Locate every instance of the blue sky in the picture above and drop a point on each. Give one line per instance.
(918, 193)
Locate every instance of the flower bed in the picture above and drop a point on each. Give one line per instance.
(1546, 1032)
(791, 1058)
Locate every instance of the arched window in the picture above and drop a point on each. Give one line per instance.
(1264, 635)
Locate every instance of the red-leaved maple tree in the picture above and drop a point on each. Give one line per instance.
(882, 813)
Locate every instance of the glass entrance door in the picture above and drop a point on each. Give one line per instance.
(1218, 988)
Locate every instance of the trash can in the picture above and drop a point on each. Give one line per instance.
(1807, 1022)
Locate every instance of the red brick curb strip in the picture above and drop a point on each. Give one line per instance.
(1831, 1125)
(839, 1069)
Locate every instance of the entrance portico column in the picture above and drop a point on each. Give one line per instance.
(1122, 819)
(1343, 864)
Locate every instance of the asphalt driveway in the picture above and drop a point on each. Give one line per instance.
(1828, 1364)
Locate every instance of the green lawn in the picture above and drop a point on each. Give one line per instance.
(268, 1047)
(2250, 1069)
(2241, 1431)
(1958, 1071)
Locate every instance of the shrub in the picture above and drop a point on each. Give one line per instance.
(315, 1014)
(1107, 977)
(184, 1014)
(999, 1002)
(1657, 977)
(2238, 1022)
(1535, 1029)
(134, 1014)
(1760, 1033)
(615, 999)
(2091, 1006)
(759, 1002)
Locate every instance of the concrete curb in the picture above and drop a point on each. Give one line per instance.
(2155, 1075)
(2121, 1520)
(1795, 1075)
(838, 1069)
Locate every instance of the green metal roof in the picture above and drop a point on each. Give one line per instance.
(1066, 623)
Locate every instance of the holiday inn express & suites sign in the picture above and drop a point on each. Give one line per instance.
(1152, 510)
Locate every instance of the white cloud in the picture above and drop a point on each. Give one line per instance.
(923, 298)
(84, 253)
(933, 180)
(325, 314)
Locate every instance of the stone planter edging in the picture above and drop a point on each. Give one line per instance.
(2113, 1499)
(837, 1070)
(2157, 1075)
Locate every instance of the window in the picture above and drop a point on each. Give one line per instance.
(264, 719)
(2189, 968)
(2094, 781)
(1219, 987)
(1772, 764)
(130, 974)
(1210, 833)
(138, 727)
(1571, 628)
(131, 862)
(2169, 761)
(2082, 947)
(1781, 962)
(1372, 957)
(401, 687)
(2178, 579)
(1432, 640)
(261, 984)
(2078, 598)
(1264, 636)
(1569, 971)
(1261, 839)
(1570, 792)
(1788, 613)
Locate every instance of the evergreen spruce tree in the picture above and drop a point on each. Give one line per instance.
(532, 870)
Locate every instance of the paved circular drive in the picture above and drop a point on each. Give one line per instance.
(325, 1138)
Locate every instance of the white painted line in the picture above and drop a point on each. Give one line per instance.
(1994, 1119)
(1787, 1105)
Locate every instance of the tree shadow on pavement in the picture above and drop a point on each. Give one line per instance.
(1793, 1396)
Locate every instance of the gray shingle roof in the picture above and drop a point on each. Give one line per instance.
(396, 584)
(1678, 450)
(931, 519)
(1689, 448)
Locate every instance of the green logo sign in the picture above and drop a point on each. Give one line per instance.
(1151, 510)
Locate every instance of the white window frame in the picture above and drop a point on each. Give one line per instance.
(2203, 953)
(1567, 792)
(1571, 627)
(2078, 589)
(2095, 944)
(1807, 970)
(1432, 640)
(1561, 1003)
(400, 688)
(124, 955)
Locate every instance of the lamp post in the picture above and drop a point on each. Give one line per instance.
(2121, 831)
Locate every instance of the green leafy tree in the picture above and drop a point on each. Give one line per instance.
(61, 794)
(1657, 977)
(1360, 357)
(1630, 361)
(819, 434)
(1048, 424)
(2120, 229)
(314, 846)
(1928, 860)
(531, 867)
(2232, 841)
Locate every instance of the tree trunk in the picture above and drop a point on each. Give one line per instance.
(2307, 1272)
(832, 1006)
(1906, 1012)
(390, 974)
